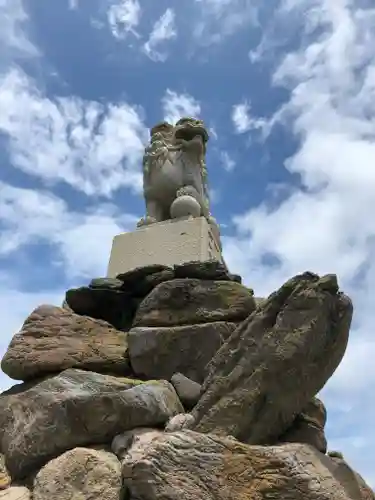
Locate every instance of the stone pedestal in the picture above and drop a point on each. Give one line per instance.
(171, 242)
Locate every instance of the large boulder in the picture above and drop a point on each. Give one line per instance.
(53, 339)
(77, 408)
(187, 465)
(191, 301)
(81, 473)
(308, 427)
(276, 361)
(159, 352)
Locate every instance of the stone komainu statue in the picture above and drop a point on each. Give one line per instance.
(175, 175)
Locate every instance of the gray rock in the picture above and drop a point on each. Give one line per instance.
(81, 473)
(122, 443)
(105, 303)
(206, 270)
(276, 361)
(192, 301)
(150, 281)
(106, 284)
(187, 390)
(77, 408)
(53, 339)
(131, 279)
(160, 352)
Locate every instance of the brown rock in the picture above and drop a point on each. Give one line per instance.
(160, 352)
(16, 493)
(187, 465)
(81, 473)
(276, 361)
(77, 408)
(354, 484)
(308, 427)
(5, 478)
(53, 339)
(192, 301)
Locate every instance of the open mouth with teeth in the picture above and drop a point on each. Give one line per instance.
(188, 130)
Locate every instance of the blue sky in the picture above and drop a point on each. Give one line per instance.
(287, 90)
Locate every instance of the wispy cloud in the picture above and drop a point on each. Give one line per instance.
(243, 120)
(123, 17)
(164, 29)
(29, 217)
(216, 20)
(227, 161)
(93, 147)
(14, 41)
(177, 105)
(73, 4)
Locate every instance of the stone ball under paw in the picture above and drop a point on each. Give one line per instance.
(185, 206)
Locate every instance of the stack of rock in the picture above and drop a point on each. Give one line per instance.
(176, 383)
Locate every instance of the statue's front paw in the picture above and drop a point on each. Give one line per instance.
(145, 221)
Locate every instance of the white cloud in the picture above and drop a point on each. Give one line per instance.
(164, 29)
(13, 39)
(216, 20)
(214, 195)
(327, 224)
(175, 106)
(227, 161)
(31, 216)
(123, 17)
(241, 117)
(93, 147)
(243, 120)
(73, 4)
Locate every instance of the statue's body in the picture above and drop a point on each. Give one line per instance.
(174, 173)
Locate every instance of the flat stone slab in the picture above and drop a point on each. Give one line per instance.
(167, 243)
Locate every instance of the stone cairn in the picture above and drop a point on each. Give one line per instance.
(176, 383)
